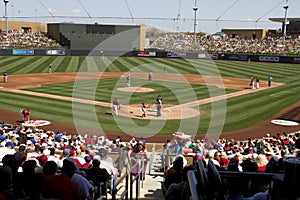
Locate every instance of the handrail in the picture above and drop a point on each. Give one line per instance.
(119, 181)
(151, 159)
(139, 166)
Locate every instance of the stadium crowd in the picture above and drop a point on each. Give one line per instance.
(225, 44)
(39, 164)
(21, 39)
(43, 158)
(256, 155)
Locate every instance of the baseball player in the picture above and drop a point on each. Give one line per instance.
(50, 68)
(5, 76)
(128, 80)
(143, 110)
(25, 114)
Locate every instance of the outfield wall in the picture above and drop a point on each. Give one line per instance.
(151, 54)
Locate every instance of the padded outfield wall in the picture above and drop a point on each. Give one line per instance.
(149, 54)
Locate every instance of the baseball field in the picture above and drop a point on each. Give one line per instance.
(199, 96)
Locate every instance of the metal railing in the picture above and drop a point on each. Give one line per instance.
(151, 159)
(137, 176)
(119, 185)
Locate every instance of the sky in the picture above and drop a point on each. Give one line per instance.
(168, 15)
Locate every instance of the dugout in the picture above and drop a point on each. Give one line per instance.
(86, 37)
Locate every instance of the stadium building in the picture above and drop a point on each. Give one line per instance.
(249, 33)
(86, 37)
(292, 27)
(25, 26)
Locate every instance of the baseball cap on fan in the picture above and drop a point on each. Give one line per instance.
(2, 137)
(9, 144)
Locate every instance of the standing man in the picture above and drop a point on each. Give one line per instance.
(143, 110)
(165, 70)
(4, 77)
(128, 80)
(270, 79)
(115, 106)
(158, 105)
(257, 82)
(150, 76)
(50, 68)
(252, 82)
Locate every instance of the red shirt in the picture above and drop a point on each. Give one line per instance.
(60, 187)
(262, 168)
(86, 165)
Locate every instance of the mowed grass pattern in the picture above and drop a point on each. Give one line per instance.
(241, 112)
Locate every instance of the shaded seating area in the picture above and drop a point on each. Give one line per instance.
(209, 182)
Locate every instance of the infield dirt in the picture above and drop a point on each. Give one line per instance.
(17, 82)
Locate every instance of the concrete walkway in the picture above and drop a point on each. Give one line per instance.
(150, 188)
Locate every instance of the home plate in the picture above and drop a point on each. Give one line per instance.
(284, 122)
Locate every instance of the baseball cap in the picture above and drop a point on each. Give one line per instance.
(9, 144)
(2, 137)
(66, 152)
(87, 159)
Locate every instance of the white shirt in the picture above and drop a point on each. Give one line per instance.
(109, 167)
(6, 151)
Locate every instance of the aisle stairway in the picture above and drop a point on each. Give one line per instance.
(150, 188)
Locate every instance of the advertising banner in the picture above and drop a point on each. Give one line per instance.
(237, 57)
(208, 56)
(146, 54)
(296, 60)
(55, 52)
(269, 58)
(176, 55)
(28, 52)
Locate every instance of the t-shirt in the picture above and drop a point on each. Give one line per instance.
(61, 187)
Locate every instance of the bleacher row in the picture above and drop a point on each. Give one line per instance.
(184, 42)
(20, 39)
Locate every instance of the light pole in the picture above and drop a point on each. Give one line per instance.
(195, 8)
(285, 7)
(5, 16)
(12, 10)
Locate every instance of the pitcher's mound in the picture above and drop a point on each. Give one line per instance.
(135, 89)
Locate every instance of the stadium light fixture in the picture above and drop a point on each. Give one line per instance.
(195, 8)
(285, 7)
(5, 16)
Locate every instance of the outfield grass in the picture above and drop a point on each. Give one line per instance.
(241, 112)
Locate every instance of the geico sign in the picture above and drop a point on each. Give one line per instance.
(268, 59)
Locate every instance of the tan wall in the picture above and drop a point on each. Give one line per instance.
(248, 33)
(142, 37)
(14, 25)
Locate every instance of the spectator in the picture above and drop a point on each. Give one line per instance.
(139, 153)
(173, 175)
(98, 175)
(50, 168)
(29, 183)
(60, 186)
(262, 162)
(87, 163)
